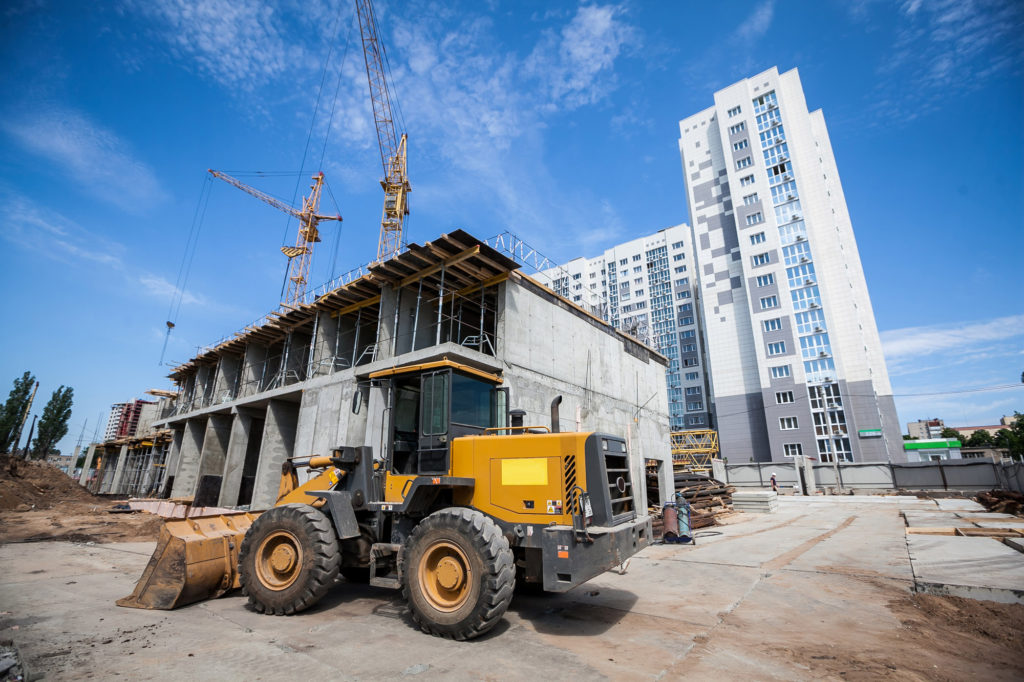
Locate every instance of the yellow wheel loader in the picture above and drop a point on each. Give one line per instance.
(464, 502)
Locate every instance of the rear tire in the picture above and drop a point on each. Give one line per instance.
(288, 559)
(458, 573)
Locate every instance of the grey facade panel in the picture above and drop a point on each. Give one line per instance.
(742, 436)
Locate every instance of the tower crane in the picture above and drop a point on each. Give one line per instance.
(392, 147)
(300, 256)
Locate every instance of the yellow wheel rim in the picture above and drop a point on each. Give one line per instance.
(445, 576)
(279, 560)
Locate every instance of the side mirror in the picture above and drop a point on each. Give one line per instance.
(357, 400)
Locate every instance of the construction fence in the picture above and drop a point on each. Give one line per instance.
(960, 475)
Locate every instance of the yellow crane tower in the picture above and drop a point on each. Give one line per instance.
(300, 256)
(392, 146)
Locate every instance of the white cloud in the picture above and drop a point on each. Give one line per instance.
(54, 236)
(758, 23)
(236, 42)
(943, 47)
(93, 156)
(160, 288)
(962, 338)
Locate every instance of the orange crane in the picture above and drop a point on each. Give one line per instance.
(300, 256)
(392, 146)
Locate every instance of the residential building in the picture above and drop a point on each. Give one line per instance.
(795, 361)
(645, 287)
(932, 449)
(1004, 423)
(925, 428)
(124, 418)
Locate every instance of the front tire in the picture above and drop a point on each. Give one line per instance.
(458, 573)
(288, 559)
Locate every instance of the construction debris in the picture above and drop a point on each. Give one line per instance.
(1002, 502)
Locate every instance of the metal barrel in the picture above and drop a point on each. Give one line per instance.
(194, 559)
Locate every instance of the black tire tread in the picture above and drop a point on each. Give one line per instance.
(325, 552)
(499, 563)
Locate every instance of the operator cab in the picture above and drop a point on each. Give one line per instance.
(433, 403)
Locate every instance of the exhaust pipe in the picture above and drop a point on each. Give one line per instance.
(554, 413)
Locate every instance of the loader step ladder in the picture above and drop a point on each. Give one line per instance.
(383, 552)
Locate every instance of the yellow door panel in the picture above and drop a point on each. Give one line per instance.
(395, 487)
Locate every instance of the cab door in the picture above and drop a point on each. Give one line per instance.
(435, 408)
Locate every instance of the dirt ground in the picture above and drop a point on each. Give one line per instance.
(40, 502)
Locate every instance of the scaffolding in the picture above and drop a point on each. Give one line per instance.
(694, 450)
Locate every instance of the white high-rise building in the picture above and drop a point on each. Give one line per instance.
(795, 360)
(644, 287)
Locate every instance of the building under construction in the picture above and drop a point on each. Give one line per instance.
(293, 384)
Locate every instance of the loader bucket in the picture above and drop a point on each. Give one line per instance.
(195, 559)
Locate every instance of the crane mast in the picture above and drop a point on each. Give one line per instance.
(300, 256)
(392, 146)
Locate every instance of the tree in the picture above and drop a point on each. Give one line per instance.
(1016, 430)
(14, 409)
(53, 424)
(952, 433)
(979, 439)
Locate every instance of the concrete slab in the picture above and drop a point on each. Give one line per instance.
(917, 519)
(958, 504)
(977, 568)
(1000, 524)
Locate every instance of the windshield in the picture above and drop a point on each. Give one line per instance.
(472, 402)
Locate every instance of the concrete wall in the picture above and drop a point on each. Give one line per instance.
(961, 475)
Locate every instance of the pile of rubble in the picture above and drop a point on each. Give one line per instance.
(1002, 502)
(28, 485)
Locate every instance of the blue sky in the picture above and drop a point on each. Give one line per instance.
(557, 121)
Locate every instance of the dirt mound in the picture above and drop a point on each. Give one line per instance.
(1002, 502)
(36, 484)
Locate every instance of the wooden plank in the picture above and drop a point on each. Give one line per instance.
(356, 306)
(931, 530)
(457, 258)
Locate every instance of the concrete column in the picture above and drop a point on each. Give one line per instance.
(189, 455)
(122, 465)
(214, 452)
(278, 445)
(388, 300)
(90, 457)
(234, 460)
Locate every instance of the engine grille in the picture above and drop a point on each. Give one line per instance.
(618, 479)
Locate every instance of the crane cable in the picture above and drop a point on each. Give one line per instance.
(185, 267)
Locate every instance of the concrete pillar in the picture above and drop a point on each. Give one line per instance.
(214, 452)
(278, 445)
(122, 466)
(388, 300)
(90, 457)
(809, 475)
(252, 368)
(189, 455)
(234, 460)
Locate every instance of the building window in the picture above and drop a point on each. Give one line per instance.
(738, 128)
(773, 324)
(680, 268)
(690, 362)
(783, 397)
(691, 407)
(788, 423)
(760, 259)
(735, 111)
(636, 258)
(693, 390)
(750, 199)
(765, 102)
(692, 376)
(743, 163)
(685, 281)
(769, 302)
(792, 449)
(686, 308)
(576, 276)
(688, 334)
(765, 280)
(742, 144)
(682, 294)
(689, 348)
(678, 257)
(780, 372)
(755, 218)
(623, 261)
(686, 320)
(746, 180)
(777, 348)
(695, 420)
(677, 245)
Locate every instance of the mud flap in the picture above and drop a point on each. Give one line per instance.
(194, 559)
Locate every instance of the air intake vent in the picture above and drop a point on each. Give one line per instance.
(620, 487)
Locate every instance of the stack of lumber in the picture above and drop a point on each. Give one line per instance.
(762, 501)
(707, 497)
